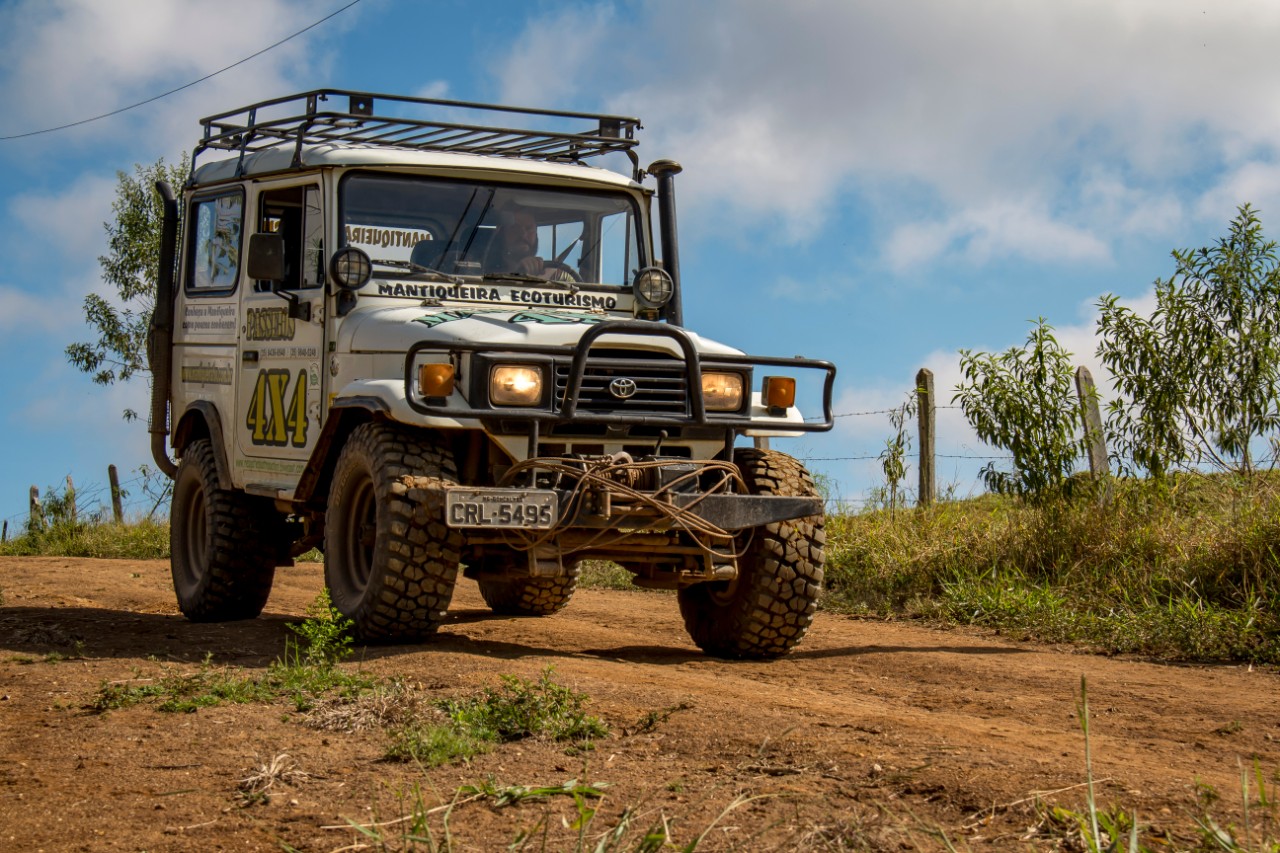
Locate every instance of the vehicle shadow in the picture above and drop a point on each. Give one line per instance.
(109, 633)
(849, 651)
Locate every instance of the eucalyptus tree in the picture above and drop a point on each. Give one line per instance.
(1022, 401)
(120, 316)
(1198, 378)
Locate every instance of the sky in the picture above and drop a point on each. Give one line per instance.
(876, 184)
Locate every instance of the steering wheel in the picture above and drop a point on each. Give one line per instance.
(547, 266)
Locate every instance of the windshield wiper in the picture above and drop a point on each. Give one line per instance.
(419, 269)
(531, 279)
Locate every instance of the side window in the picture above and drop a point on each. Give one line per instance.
(614, 249)
(216, 224)
(294, 213)
(561, 242)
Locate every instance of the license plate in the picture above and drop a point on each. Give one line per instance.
(526, 509)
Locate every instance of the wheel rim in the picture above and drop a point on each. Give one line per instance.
(359, 536)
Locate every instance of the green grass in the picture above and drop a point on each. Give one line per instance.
(517, 709)
(139, 540)
(1191, 572)
(602, 574)
(305, 672)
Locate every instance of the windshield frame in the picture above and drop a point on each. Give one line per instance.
(473, 223)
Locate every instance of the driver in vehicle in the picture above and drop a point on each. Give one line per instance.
(515, 249)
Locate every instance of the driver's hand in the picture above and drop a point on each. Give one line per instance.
(532, 265)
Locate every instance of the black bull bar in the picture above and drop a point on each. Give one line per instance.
(729, 512)
(566, 408)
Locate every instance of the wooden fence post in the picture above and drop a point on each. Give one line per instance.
(4, 536)
(117, 508)
(1094, 438)
(71, 498)
(926, 411)
(37, 517)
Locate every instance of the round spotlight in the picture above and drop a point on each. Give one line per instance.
(653, 287)
(351, 268)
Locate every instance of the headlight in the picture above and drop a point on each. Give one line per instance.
(351, 268)
(722, 392)
(515, 385)
(653, 287)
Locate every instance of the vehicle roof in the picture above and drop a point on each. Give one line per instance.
(280, 159)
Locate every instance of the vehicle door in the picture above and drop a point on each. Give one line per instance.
(281, 384)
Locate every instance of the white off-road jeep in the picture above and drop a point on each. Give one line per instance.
(426, 344)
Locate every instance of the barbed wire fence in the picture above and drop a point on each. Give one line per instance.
(923, 402)
(143, 496)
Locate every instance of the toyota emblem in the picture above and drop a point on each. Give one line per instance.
(623, 388)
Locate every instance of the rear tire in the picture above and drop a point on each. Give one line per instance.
(223, 544)
(390, 561)
(529, 596)
(767, 610)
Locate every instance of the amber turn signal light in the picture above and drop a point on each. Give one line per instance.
(779, 392)
(435, 380)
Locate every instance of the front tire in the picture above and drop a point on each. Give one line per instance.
(223, 544)
(390, 561)
(767, 610)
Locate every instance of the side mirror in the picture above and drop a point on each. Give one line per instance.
(266, 257)
(266, 263)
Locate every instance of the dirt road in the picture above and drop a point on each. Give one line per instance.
(871, 735)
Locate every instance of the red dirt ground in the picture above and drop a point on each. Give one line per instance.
(871, 735)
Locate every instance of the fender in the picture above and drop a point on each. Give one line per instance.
(201, 420)
(344, 416)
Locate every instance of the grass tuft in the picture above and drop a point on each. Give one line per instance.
(517, 709)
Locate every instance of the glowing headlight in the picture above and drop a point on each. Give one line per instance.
(653, 287)
(351, 268)
(515, 385)
(722, 392)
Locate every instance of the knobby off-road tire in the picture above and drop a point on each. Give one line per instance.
(529, 596)
(767, 610)
(390, 560)
(224, 544)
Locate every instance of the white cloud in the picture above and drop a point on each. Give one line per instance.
(67, 223)
(69, 60)
(1001, 230)
(777, 110)
(1256, 183)
(21, 312)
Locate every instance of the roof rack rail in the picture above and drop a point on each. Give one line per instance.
(302, 119)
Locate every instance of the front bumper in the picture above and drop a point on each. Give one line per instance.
(570, 404)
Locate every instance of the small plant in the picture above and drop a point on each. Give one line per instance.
(893, 457)
(257, 786)
(301, 674)
(325, 632)
(521, 708)
(652, 719)
(518, 709)
(434, 745)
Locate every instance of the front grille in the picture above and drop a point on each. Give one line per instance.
(661, 385)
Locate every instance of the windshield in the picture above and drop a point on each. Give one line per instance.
(413, 226)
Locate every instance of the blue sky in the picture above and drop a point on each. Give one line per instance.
(877, 184)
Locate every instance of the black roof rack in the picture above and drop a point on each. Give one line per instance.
(304, 119)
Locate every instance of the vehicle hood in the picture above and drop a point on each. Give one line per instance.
(396, 328)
